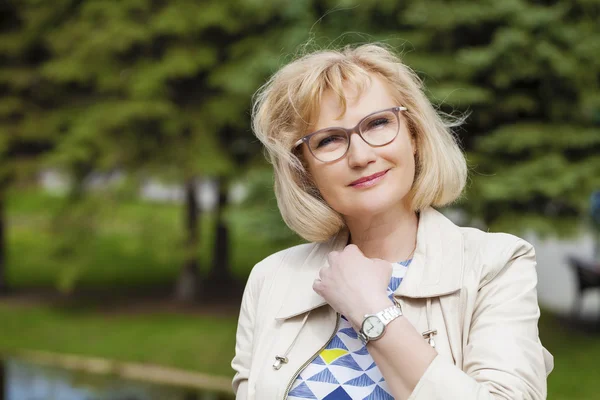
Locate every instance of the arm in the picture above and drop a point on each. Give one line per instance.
(503, 358)
(402, 362)
(244, 341)
(354, 286)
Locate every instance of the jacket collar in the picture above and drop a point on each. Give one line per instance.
(436, 268)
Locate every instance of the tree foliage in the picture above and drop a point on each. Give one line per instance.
(26, 127)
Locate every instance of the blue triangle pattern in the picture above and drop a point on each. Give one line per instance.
(363, 351)
(318, 361)
(405, 263)
(348, 362)
(336, 343)
(372, 366)
(361, 381)
(394, 283)
(302, 391)
(379, 394)
(324, 376)
(338, 394)
(350, 332)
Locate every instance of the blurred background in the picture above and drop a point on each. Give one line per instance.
(134, 199)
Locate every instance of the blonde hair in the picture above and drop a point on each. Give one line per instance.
(286, 106)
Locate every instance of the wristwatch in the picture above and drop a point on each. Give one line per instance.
(373, 326)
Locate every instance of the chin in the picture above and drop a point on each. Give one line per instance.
(359, 210)
(371, 202)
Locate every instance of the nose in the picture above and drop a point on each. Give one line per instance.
(360, 153)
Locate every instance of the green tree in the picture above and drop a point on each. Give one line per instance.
(26, 128)
(163, 89)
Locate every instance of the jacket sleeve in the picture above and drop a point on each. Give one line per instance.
(503, 357)
(244, 337)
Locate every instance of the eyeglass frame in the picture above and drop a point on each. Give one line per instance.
(350, 131)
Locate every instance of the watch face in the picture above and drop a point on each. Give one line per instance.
(373, 327)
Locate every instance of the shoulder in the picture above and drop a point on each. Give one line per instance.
(271, 266)
(478, 256)
(303, 257)
(489, 253)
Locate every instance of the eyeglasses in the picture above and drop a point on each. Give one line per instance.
(376, 129)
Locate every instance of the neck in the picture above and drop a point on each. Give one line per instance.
(390, 236)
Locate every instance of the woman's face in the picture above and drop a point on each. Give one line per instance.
(390, 167)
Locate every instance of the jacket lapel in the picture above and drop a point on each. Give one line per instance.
(300, 296)
(436, 268)
(437, 265)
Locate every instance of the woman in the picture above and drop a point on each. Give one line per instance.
(390, 300)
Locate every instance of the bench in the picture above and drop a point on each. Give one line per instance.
(588, 277)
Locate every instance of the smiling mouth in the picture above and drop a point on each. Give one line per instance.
(367, 180)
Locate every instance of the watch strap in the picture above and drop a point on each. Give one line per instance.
(386, 316)
(389, 314)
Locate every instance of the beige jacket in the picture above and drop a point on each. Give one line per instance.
(477, 289)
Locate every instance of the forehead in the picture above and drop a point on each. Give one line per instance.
(353, 102)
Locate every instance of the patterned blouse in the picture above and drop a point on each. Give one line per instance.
(345, 370)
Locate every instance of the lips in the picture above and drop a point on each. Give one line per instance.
(368, 178)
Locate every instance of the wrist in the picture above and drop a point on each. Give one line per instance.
(373, 306)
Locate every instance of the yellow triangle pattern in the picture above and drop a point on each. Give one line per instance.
(330, 355)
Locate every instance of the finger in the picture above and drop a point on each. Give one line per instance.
(351, 247)
(354, 250)
(317, 285)
(323, 272)
(332, 257)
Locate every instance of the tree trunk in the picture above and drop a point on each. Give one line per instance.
(191, 395)
(188, 284)
(220, 273)
(3, 247)
(3, 380)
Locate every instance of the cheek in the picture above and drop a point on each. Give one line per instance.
(328, 181)
(407, 153)
(408, 168)
(323, 180)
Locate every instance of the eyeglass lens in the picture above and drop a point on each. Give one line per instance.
(377, 130)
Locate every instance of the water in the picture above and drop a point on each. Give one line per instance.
(21, 380)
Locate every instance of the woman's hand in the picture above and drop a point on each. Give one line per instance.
(354, 285)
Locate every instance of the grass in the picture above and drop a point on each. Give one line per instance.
(576, 355)
(200, 343)
(115, 244)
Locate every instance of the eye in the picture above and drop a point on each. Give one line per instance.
(378, 122)
(331, 139)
